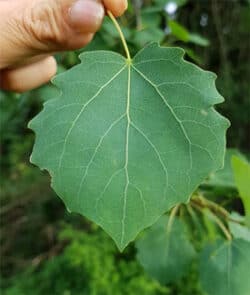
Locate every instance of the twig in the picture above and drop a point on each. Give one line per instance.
(215, 208)
(216, 220)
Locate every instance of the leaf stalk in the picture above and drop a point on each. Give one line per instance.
(213, 217)
(172, 215)
(215, 208)
(124, 42)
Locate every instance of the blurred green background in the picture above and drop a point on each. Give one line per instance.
(46, 250)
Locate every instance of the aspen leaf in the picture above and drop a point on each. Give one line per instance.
(126, 140)
(166, 253)
(224, 268)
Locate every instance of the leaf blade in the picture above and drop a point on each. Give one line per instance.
(241, 171)
(165, 254)
(114, 133)
(224, 268)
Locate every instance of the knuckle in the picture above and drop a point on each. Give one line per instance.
(46, 24)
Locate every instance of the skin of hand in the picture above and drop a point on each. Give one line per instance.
(31, 31)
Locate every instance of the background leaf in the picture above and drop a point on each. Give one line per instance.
(238, 230)
(199, 40)
(124, 142)
(224, 268)
(224, 177)
(241, 169)
(178, 30)
(165, 255)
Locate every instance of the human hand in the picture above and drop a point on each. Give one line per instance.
(32, 30)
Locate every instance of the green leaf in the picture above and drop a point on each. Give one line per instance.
(241, 169)
(224, 268)
(150, 19)
(110, 30)
(147, 35)
(127, 140)
(238, 230)
(165, 254)
(197, 39)
(181, 33)
(178, 31)
(224, 177)
(211, 233)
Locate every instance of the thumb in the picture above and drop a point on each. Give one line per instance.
(35, 27)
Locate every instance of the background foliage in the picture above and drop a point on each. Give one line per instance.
(44, 249)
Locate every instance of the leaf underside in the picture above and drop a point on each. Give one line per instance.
(224, 268)
(161, 250)
(127, 140)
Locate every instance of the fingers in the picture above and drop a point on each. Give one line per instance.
(86, 16)
(28, 77)
(32, 27)
(117, 7)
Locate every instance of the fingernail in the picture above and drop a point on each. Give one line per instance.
(86, 15)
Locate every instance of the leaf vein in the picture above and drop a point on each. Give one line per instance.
(156, 152)
(80, 113)
(95, 152)
(176, 118)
